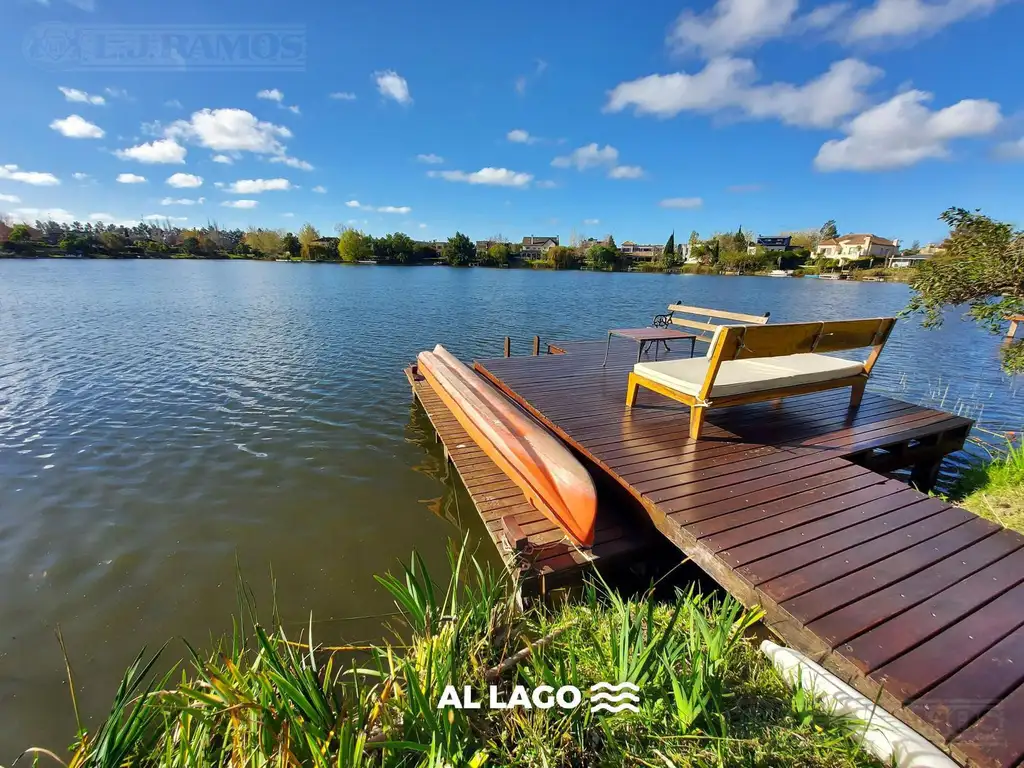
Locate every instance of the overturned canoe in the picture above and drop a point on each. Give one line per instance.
(552, 478)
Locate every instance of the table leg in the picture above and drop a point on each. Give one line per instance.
(607, 344)
(640, 352)
(693, 345)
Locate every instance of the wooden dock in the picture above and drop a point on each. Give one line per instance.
(912, 601)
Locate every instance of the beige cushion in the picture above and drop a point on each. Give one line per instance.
(737, 377)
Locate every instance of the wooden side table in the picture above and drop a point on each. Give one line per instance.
(648, 336)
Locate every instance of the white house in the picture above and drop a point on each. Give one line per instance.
(901, 260)
(853, 247)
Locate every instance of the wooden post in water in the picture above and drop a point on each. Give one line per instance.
(508, 346)
(1014, 320)
(536, 345)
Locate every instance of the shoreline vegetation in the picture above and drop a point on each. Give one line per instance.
(722, 254)
(995, 489)
(707, 696)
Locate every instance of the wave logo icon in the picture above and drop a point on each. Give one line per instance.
(605, 697)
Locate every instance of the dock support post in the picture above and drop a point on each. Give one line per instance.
(1013, 327)
(508, 346)
(536, 345)
(925, 474)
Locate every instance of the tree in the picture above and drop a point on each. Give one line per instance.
(112, 242)
(21, 233)
(611, 243)
(668, 255)
(739, 241)
(268, 243)
(915, 247)
(982, 267)
(694, 238)
(307, 236)
(291, 245)
(828, 230)
(495, 256)
(190, 245)
(600, 256)
(459, 251)
(354, 246)
(563, 257)
(76, 242)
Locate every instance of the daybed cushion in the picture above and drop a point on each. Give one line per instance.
(737, 377)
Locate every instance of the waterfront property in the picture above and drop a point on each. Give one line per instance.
(856, 247)
(789, 507)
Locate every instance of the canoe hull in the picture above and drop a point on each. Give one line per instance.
(551, 478)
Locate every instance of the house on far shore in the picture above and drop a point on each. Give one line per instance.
(781, 243)
(535, 247)
(902, 260)
(855, 247)
(633, 252)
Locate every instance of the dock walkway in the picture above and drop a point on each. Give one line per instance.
(911, 600)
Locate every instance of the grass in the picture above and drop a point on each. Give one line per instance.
(707, 696)
(995, 490)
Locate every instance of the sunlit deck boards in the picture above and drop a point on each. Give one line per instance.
(780, 503)
(551, 559)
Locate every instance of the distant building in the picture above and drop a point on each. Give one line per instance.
(780, 243)
(535, 247)
(902, 260)
(635, 252)
(854, 247)
(434, 245)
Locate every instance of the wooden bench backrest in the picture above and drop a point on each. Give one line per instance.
(741, 342)
(706, 329)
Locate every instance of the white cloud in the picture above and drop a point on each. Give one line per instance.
(381, 209)
(499, 177)
(184, 181)
(173, 104)
(430, 159)
(35, 178)
(108, 218)
(682, 202)
(240, 203)
(741, 188)
(728, 84)
(294, 109)
(130, 178)
(224, 159)
(391, 85)
(162, 217)
(521, 85)
(75, 127)
(626, 172)
(590, 156)
(546, 184)
(319, 189)
(117, 93)
(288, 215)
(79, 176)
(731, 25)
(519, 136)
(1011, 150)
(9, 198)
(422, 226)
(31, 215)
(292, 162)
(230, 130)
(271, 95)
(154, 152)
(591, 222)
(912, 18)
(73, 94)
(343, 96)
(903, 131)
(182, 201)
(257, 186)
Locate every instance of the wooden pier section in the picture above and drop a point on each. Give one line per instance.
(916, 603)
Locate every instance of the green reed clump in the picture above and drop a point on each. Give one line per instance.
(995, 489)
(707, 696)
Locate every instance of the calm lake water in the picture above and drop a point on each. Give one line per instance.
(159, 420)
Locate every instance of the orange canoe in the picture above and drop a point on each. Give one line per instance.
(549, 475)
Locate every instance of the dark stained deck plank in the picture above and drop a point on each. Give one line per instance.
(997, 739)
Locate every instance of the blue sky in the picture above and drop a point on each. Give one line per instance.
(516, 118)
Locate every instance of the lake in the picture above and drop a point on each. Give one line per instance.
(161, 421)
